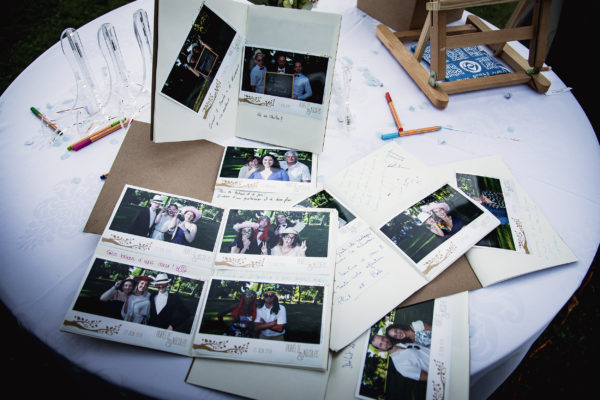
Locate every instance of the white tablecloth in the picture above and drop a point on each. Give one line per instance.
(546, 140)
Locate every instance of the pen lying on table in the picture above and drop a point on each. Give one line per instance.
(115, 126)
(386, 136)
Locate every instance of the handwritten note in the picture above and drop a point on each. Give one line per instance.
(377, 180)
(359, 262)
(228, 197)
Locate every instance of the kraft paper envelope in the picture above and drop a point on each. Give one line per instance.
(186, 168)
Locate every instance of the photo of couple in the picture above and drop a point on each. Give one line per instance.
(277, 233)
(264, 311)
(423, 227)
(267, 164)
(141, 296)
(169, 219)
(396, 362)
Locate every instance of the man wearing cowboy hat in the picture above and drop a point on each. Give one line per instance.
(166, 310)
(143, 223)
(270, 317)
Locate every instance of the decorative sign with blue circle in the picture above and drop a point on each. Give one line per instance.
(468, 62)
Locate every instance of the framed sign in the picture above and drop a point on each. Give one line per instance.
(278, 84)
(206, 61)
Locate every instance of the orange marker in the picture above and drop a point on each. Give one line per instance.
(396, 119)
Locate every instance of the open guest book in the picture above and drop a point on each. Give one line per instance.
(227, 68)
(177, 274)
(382, 363)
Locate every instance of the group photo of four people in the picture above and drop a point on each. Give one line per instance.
(167, 218)
(280, 238)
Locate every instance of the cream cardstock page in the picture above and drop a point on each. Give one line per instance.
(373, 275)
(193, 243)
(171, 120)
(544, 247)
(449, 368)
(227, 110)
(448, 373)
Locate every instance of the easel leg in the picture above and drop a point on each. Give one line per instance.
(438, 44)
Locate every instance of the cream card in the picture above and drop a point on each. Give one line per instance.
(180, 275)
(535, 244)
(250, 177)
(417, 351)
(219, 72)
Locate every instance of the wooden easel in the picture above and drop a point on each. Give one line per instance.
(474, 32)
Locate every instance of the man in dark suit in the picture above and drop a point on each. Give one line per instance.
(143, 222)
(166, 310)
(281, 65)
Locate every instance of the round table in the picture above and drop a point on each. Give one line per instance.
(546, 140)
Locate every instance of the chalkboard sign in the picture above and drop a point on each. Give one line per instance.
(206, 61)
(281, 85)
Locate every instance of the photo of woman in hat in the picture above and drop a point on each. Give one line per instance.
(448, 221)
(289, 243)
(115, 297)
(185, 231)
(137, 307)
(251, 236)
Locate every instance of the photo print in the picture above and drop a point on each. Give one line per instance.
(167, 219)
(489, 193)
(277, 233)
(426, 225)
(267, 164)
(128, 293)
(198, 60)
(397, 357)
(259, 310)
(284, 74)
(323, 199)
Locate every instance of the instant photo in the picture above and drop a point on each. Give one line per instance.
(438, 228)
(163, 225)
(262, 176)
(135, 305)
(253, 321)
(198, 60)
(323, 199)
(284, 74)
(489, 193)
(292, 234)
(416, 352)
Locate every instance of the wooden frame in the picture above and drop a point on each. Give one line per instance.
(269, 76)
(474, 32)
(200, 58)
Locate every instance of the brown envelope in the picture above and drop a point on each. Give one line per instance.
(183, 168)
